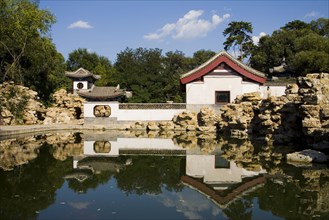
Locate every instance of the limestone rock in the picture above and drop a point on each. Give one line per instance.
(184, 120)
(102, 111)
(138, 126)
(152, 126)
(307, 156)
(292, 89)
(166, 125)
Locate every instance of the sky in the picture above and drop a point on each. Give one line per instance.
(108, 27)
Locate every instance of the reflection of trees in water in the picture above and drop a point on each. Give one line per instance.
(30, 188)
(239, 209)
(289, 192)
(103, 169)
(149, 174)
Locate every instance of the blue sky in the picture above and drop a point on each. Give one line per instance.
(108, 27)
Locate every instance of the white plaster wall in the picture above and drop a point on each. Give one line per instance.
(250, 87)
(131, 143)
(132, 114)
(204, 166)
(204, 92)
(85, 84)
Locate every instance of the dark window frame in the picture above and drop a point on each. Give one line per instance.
(227, 93)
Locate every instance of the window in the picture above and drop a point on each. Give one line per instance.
(222, 97)
(220, 162)
(80, 85)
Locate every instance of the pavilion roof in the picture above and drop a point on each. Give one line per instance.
(82, 73)
(102, 93)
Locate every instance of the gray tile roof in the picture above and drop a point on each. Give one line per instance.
(102, 93)
(82, 73)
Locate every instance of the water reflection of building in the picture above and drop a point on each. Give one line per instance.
(98, 151)
(223, 181)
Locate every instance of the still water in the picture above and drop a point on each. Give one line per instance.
(122, 175)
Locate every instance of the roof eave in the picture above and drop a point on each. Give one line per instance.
(219, 58)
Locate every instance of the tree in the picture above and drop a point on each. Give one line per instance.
(199, 57)
(305, 48)
(151, 76)
(92, 62)
(321, 26)
(175, 63)
(140, 70)
(27, 55)
(239, 38)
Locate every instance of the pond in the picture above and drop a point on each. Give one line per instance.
(129, 175)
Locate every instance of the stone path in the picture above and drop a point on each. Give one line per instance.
(23, 129)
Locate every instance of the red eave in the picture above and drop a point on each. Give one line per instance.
(211, 66)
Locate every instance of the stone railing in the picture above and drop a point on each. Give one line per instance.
(152, 106)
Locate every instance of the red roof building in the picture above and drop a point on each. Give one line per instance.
(220, 80)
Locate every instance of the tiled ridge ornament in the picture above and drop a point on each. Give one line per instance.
(102, 111)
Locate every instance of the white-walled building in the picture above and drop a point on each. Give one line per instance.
(220, 80)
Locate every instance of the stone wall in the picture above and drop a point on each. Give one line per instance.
(302, 113)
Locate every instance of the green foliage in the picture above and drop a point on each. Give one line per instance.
(92, 62)
(305, 48)
(199, 57)
(27, 55)
(239, 38)
(148, 175)
(151, 76)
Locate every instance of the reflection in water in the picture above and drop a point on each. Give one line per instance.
(151, 175)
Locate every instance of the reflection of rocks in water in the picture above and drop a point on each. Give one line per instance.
(241, 151)
(166, 134)
(309, 188)
(152, 133)
(56, 138)
(65, 145)
(64, 150)
(317, 181)
(15, 152)
(102, 147)
(207, 142)
(186, 140)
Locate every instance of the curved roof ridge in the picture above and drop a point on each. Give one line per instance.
(82, 73)
(213, 62)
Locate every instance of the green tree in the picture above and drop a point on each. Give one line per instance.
(175, 63)
(93, 62)
(151, 76)
(305, 48)
(239, 38)
(321, 26)
(199, 57)
(140, 71)
(27, 54)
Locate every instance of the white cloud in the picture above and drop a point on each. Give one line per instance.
(255, 39)
(312, 14)
(79, 205)
(189, 26)
(80, 24)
